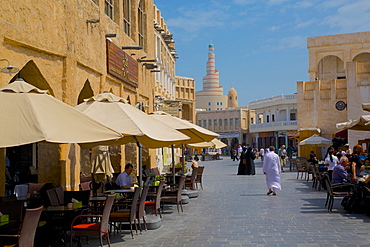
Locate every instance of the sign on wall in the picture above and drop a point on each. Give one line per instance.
(121, 65)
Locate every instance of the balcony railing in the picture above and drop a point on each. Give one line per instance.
(272, 99)
(273, 124)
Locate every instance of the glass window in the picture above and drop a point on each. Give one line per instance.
(273, 118)
(200, 122)
(220, 103)
(268, 119)
(209, 103)
(214, 122)
(204, 123)
(231, 122)
(209, 123)
(220, 122)
(252, 120)
(225, 122)
(108, 8)
(236, 121)
(141, 23)
(126, 17)
(293, 117)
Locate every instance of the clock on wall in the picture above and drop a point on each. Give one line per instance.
(340, 105)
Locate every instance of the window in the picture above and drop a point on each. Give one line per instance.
(220, 103)
(141, 23)
(220, 122)
(126, 17)
(217, 103)
(225, 122)
(108, 8)
(231, 122)
(236, 121)
(200, 122)
(230, 98)
(209, 123)
(273, 118)
(209, 103)
(252, 120)
(268, 119)
(204, 123)
(293, 117)
(214, 123)
(209, 109)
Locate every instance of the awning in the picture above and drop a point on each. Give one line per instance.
(228, 135)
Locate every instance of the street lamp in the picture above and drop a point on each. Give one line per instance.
(9, 69)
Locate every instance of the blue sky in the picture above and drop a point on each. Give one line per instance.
(260, 45)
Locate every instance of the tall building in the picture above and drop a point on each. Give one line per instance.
(211, 97)
(339, 67)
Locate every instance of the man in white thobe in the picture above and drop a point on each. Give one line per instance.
(272, 169)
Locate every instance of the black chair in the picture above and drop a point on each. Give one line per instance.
(336, 190)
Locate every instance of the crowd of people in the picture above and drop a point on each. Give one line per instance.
(346, 166)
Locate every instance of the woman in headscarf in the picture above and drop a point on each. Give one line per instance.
(250, 156)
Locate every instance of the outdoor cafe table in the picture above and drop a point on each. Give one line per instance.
(60, 219)
(119, 191)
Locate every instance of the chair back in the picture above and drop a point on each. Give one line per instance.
(85, 186)
(194, 174)
(104, 226)
(328, 185)
(29, 225)
(141, 210)
(53, 198)
(35, 187)
(159, 194)
(134, 204)
(156, 171)
(200, 172)
(60, 194)
(179, 190)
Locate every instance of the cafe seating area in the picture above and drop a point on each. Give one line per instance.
(355, 196)
(51, 216)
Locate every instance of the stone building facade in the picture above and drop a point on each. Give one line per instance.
(339, 68)
(273, 121)
(231, 124)
(77, 49)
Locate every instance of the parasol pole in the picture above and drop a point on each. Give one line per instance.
(183, 159)
(140, 162)
(173, 162)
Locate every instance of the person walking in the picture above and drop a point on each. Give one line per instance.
(250, 156)
(272, 169)
(283, 156)
(262, 153)
(242, 168)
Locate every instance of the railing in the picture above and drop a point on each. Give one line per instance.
(275, 98)
(273, 124)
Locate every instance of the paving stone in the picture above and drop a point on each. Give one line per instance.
(235, 211)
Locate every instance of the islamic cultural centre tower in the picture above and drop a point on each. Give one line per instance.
(212, 96)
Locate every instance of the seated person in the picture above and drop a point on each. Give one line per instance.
(340, 174)
(313, 158)
(124, 180)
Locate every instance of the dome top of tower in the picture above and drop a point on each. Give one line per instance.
(232, 96)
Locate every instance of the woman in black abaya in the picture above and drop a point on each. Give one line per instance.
(250, 168)
(242, 169)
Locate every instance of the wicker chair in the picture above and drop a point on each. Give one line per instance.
(175, 196)
(156, 203)
(94, 228)
(127, 215)
(199, 180)
(26, 236)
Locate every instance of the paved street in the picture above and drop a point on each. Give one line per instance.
(235, 211)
